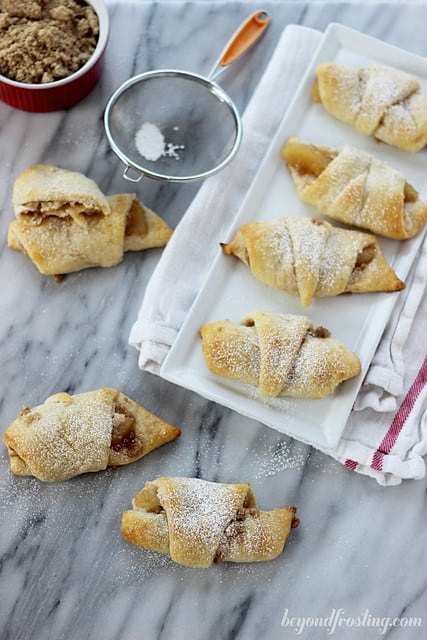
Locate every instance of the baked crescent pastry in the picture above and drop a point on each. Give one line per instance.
(144, 229)
(200, 523)
(355, 187)
(69, 435)
(377, 100)
(310, 258)
(280, 354)
(65, 235)
(43, 190)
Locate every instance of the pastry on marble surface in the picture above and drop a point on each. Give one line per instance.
(378, 101)
(310, 258)
(144, 229)
(280, 354)
(355, 187)
(43, 190)
(70, 435)
(200, 523)
(63, 235)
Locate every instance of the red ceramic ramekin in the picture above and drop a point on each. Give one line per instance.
(61, 94)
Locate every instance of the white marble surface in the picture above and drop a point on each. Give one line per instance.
(65, 571)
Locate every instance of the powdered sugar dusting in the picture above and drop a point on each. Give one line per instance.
(289, 454)
(303, 256)
(289, 356)
(378, 100)
(380, 88)
(238, 358)
(280, 457)
(215, 522)
(63, 438)
(205, 508)
(361, 190)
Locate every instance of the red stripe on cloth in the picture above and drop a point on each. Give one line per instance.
(351, 464)
(400, 418)
(377, 460)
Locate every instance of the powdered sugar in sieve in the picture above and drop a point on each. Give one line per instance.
(150, 143)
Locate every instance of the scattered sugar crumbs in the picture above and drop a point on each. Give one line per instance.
(287, 454)
(279, 457)
(45, 40)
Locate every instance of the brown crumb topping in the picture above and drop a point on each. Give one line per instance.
(45, 40)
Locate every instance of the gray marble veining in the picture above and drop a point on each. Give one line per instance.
(65, 571)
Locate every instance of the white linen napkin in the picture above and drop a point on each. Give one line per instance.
(384, 381)
(389, 446)
(376, 444)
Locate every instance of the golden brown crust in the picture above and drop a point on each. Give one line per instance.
(44, 188)
(69, 435)
(200, 523)
(310, 258)
(358, 189)
(65, 224)
(378, 101)
(59, 245)
(144, 229)
(280, 354)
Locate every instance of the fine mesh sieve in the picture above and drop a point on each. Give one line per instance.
(175, 125)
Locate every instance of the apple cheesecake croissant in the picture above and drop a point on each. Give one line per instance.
(356, 188)
(200, 523)
(280, 354)
(70, 435)
(377, 100)
(310, 258)
(64, 223)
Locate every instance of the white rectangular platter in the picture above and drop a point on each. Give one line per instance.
(230, 291)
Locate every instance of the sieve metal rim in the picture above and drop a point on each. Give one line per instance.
(215, 88)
